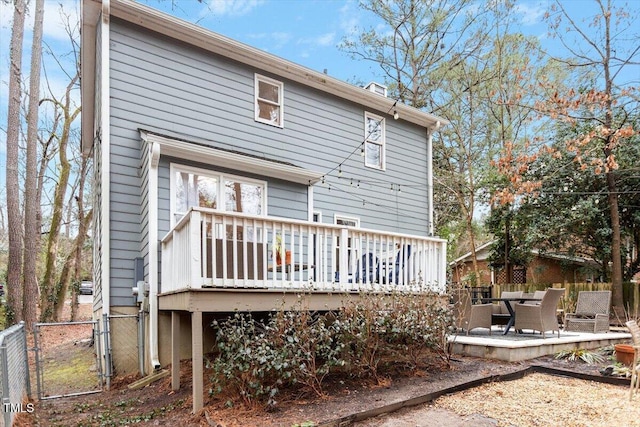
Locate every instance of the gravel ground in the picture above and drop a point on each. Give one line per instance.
(535, 400)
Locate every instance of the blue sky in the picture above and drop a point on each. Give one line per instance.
(303, 31)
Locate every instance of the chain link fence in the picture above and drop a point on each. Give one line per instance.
(124, 343)
(14, 373)
(66, 358)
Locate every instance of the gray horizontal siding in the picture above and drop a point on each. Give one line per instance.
(177, 90)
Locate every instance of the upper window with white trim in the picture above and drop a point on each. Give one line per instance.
(374, 141)
(269, 102)
(204, 188)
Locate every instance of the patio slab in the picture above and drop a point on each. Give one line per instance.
(518, 347)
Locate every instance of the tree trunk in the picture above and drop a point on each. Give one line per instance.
(31, 203)
(85, 222)
(14, 285)
(612, 190)
(49, 291)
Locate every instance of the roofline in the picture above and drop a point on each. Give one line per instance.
(468, 254)
(194, 35)
(551, 255)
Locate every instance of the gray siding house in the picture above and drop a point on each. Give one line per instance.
(228, 179)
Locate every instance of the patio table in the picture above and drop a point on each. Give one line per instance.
(512, 313)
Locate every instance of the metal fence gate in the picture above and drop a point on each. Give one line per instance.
(68, 358)
(14, 372)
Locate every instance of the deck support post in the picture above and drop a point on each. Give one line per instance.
(175, 350)
(197, 357)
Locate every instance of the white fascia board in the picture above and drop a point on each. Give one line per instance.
(210, 155)
(90, 12)
(192, 34)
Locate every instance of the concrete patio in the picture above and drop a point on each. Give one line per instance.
(517, 347)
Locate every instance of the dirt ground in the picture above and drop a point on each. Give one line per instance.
(537, 399)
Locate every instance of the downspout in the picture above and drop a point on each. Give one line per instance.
(154, 158)
(430, 131)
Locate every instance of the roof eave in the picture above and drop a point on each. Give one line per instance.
(197, 36)
(90, 12)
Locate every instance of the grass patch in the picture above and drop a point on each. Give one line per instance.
(71, 374)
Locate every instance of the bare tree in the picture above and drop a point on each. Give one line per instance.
(14, 285)
(31, 201)
(49, 291)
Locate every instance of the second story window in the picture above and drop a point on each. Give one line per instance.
(269, 105)
(374, 150)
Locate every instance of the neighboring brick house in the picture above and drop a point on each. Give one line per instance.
(544, 268)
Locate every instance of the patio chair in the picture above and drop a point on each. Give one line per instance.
(469, 316)
(540, 317)
(395, 273)
(500, 314)
(537, 295)
(592, 313)
(367, 268)
(635, 366)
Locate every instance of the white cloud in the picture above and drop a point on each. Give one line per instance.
(349, 19)
(327, 39)
(53, 23)
(531, 13)
(233, 7)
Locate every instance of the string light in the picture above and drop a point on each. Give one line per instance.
(340, 170)
(396, 116)
(362, 150)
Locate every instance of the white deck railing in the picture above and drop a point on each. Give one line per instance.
(208, 248)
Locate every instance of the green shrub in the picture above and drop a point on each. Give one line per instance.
(365, 339)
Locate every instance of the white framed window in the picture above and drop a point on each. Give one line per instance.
(269, 103)
(374, 141)
(349, 221)
(190, 186)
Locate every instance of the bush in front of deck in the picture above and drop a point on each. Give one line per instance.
(374, 337)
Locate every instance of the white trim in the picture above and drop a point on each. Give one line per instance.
(431, 225)
(260, 78)
(220, 177)
(227, 159)
(105, 167)
(382, 142)
(310, 203)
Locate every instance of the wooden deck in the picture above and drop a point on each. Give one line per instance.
(511, 347)
(227, 300)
